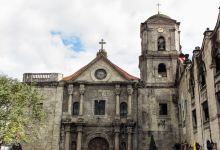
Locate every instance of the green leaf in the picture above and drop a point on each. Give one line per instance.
(21, 111)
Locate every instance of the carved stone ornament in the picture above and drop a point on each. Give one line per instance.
(129, 89)
(160, 30)
(70, 89)
(117, 89)
(100, 74)
(81, 89)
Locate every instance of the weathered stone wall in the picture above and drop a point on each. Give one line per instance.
(186, 104)
(50, 132)
(101, 125)
(99, 92)
(205, 130)
(150, 36)
(159, 88)
(164, 128)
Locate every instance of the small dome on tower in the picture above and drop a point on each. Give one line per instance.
(159, 16)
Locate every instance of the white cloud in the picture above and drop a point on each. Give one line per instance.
(26, 44)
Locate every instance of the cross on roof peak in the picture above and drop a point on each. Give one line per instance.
(102, 52)
(102, 42)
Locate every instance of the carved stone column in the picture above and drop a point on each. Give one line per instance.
(117, 106)
(81, 91)
(117, 130)
(67, 138)
(130, 91)
(70, 103)
(129, 130)
(79, 138)
(62, 138)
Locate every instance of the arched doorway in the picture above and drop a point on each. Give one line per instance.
(98, 143)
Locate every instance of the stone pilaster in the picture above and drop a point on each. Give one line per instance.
(81, 91)
(130, 91)
(116, 131)
(67, 138)
(70, 103)
(62, 137)
(79, 138)
(129, 130)
(117, 98)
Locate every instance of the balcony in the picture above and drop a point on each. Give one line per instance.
(42, 77)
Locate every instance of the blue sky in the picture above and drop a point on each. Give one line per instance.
(71, 42)
(62, 36)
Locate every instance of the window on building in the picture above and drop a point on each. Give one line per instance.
(202, 73)
(162, 71)
(192, 87)
(218, 101)
(205, 111)
(76, 108)
(123, 146)
(99, 107)
(194, 118)
(161, 44)
(218, 96)
(162, 109)
(123, 109)
(73, 145)
(217, 63)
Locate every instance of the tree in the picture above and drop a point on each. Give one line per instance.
(21, 111)
(152, 144)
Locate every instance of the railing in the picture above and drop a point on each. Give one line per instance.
(42, 77)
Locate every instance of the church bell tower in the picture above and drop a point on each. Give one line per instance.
(160, 46)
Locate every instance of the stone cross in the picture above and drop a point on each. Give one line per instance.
(158, 7)
(102, 43)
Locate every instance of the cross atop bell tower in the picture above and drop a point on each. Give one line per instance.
(158, 8)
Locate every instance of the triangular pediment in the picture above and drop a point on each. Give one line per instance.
(101, 70)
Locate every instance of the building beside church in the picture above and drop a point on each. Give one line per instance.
(199, 93)
(102, 107)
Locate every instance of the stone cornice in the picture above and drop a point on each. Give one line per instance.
(102, 83)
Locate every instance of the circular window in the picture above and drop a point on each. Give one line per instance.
(100, 74)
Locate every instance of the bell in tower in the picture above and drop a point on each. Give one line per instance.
(161, 44)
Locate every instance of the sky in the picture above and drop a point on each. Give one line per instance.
(63, 35)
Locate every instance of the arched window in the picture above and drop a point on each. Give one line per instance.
(202, 72)
(123, 109)
(161, 44)
(123, 146)
(76, 108)
(217, 63)
(162, 71)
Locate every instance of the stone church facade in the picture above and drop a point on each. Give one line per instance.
(102, 107)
